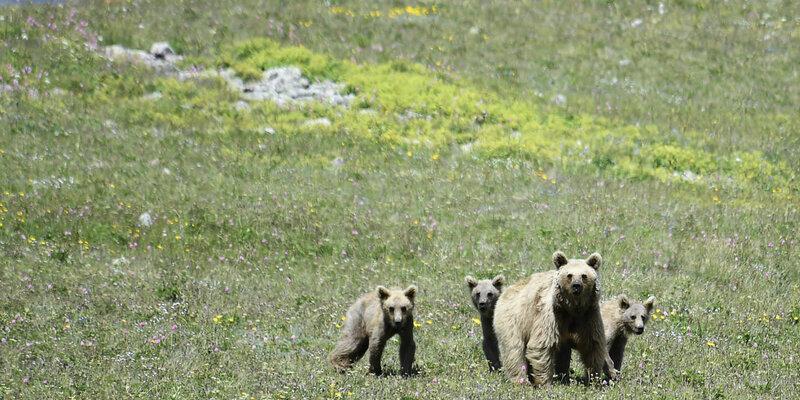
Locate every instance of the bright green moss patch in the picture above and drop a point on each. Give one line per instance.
(249, 59)
(409, 106)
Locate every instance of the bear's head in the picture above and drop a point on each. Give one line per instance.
(577, 279)
(635, 315)
(485, 292)
(397, 304)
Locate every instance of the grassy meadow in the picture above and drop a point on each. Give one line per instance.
(483, 136)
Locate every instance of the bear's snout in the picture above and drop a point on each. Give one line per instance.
(482, 305)
(639, 330)
(577, 288)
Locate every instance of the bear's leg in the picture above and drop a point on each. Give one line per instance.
(562, 360)
(490, 348)
(617, 350)
(542, 362)
(594, 360)
(376, 345)
(512, 356)
(491, 352)
(407, 350)
(349, 349)
(593, 350)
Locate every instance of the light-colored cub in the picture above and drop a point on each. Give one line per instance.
(371, 321)
(621, 318)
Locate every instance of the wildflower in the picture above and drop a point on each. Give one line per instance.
(217, 319)
(711, 344)
(429, 322)
(417, 324)
(435, 156)
(476, 321)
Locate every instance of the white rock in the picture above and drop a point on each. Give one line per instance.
(318, 122)
(242, 106)
(161, 50)
(152, 96)
(145, 220)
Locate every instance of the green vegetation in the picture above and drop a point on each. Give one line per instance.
(481, 139)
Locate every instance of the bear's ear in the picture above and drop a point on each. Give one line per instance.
(624, 303)
(498, 281)
(383, 293)
(650, 303)
(471, 282)
(410, 292)
(559, 259)
(594, 260)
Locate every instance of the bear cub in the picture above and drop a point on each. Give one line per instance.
(621, 318)
(484, 294)
(371, 321)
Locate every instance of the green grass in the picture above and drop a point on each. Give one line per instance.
(261, 241)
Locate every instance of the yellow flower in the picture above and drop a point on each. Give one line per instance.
(476, 321)
(177, 237)
(417, 324)
(435, 156)
(217, 319)
(711, 344)
(429, 322)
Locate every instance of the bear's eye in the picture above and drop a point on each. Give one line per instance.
(490, 294)
(569, 276)
(633, 317)
(403, 309)
(391, 309)
(583, 276)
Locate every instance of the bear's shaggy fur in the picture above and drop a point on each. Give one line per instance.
(371, 321)
(621, 318)
(484, 294)
(540, 319)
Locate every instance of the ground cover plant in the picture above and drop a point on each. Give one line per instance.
(161, 240)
